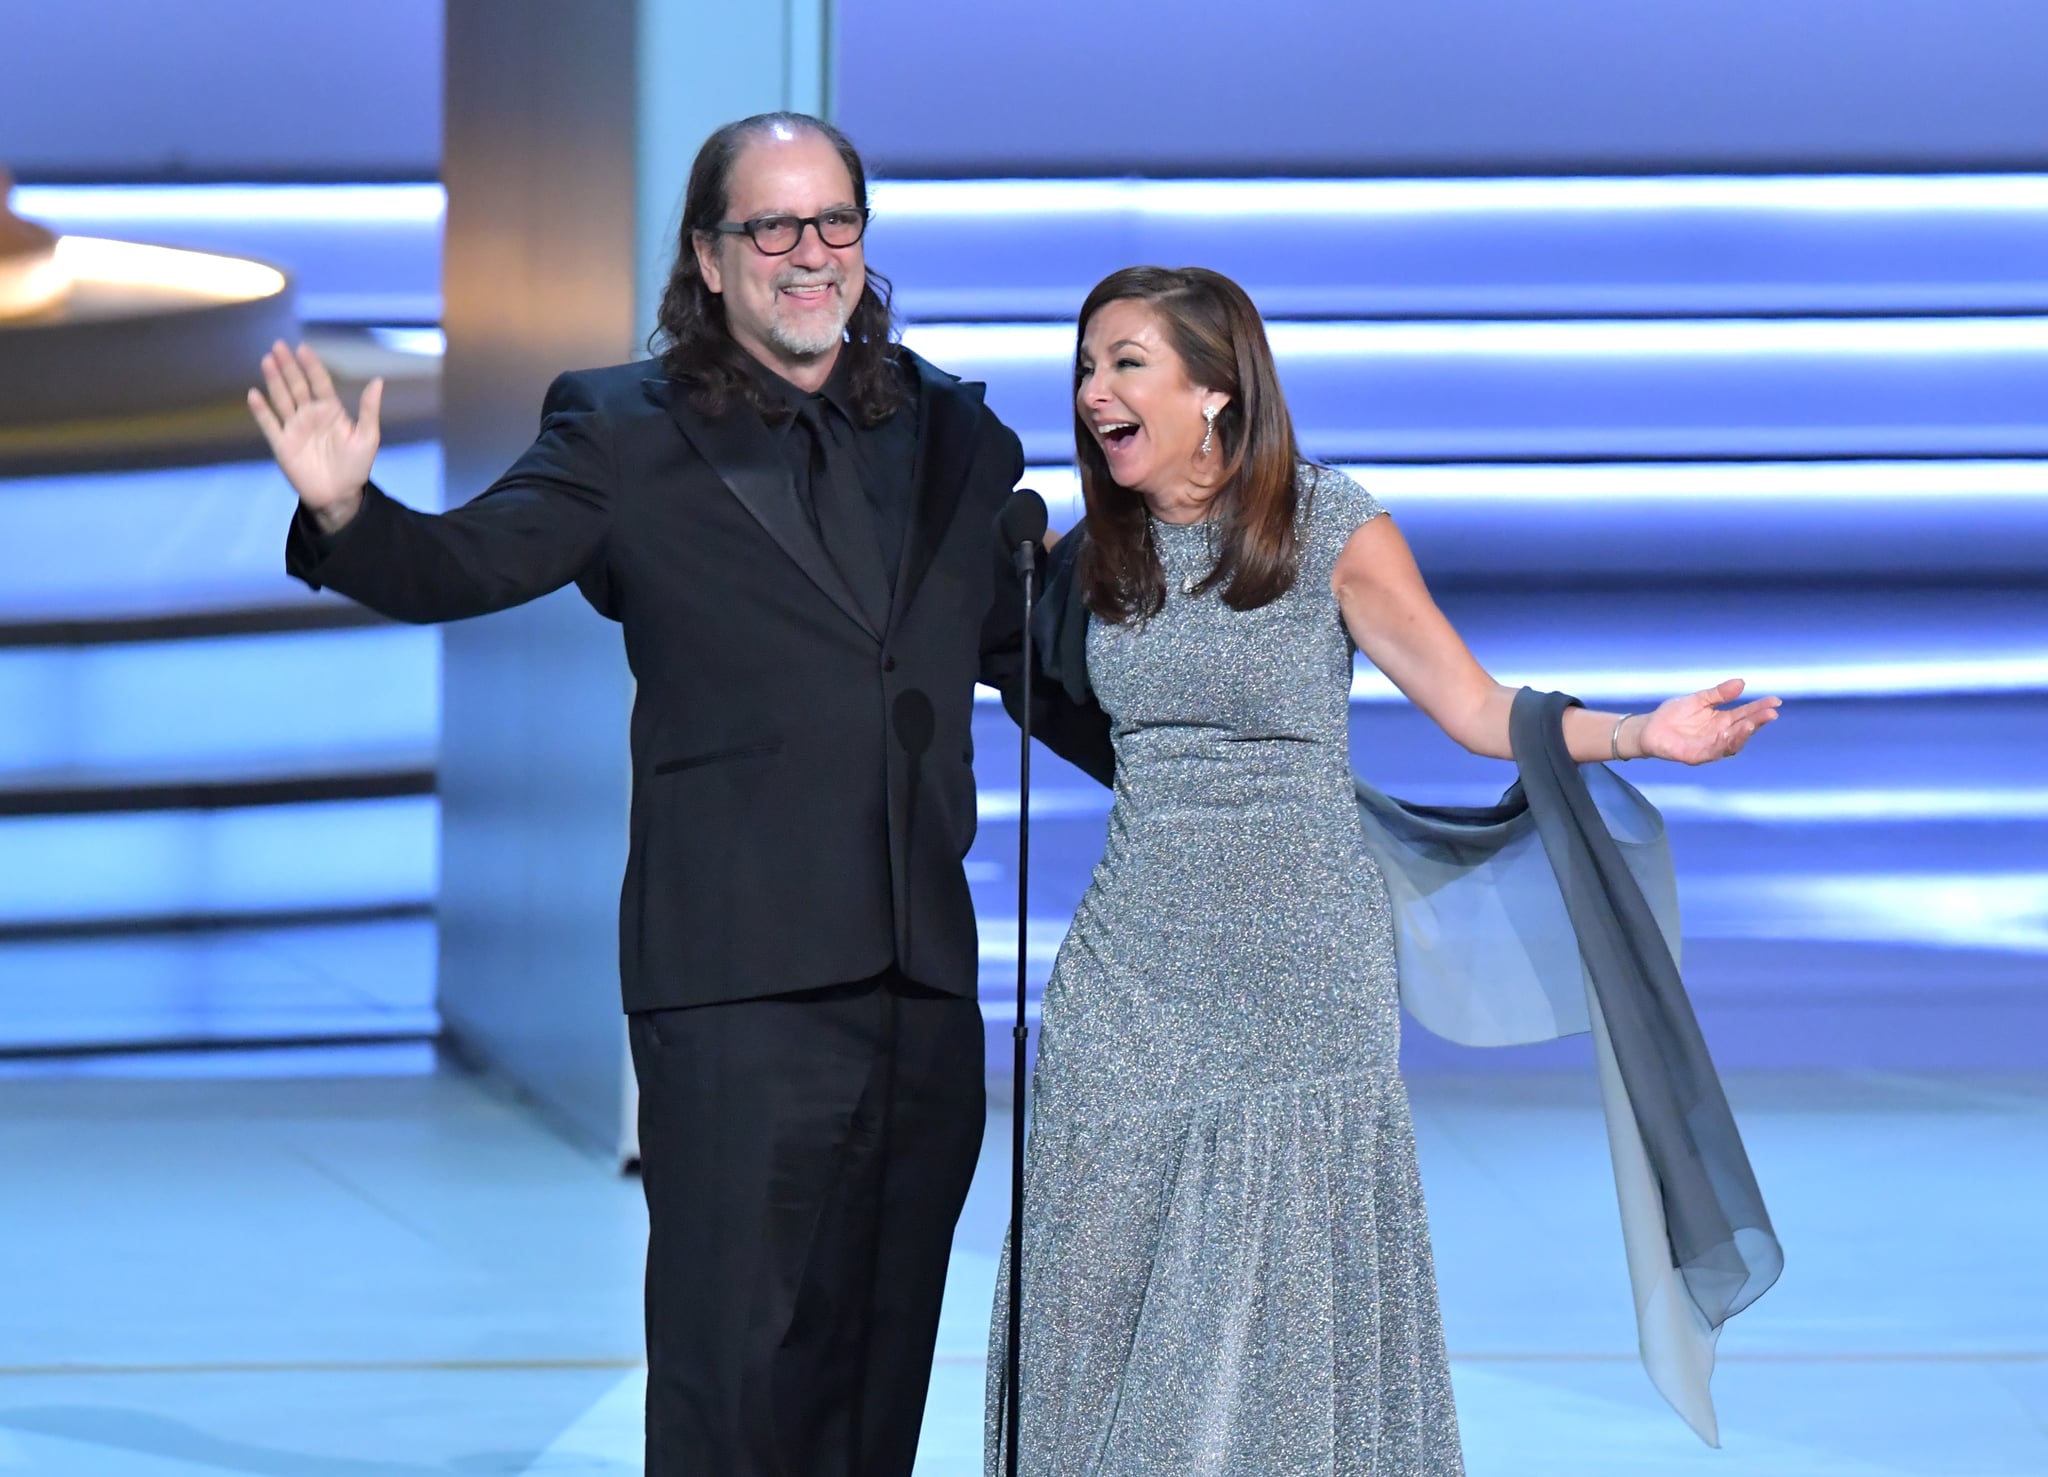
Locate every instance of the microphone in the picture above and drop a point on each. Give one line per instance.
(1020, 526)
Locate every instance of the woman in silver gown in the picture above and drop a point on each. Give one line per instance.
(1226, 1259)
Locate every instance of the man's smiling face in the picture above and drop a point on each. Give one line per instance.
(790, 312)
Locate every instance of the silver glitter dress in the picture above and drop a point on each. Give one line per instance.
(1226, 1261)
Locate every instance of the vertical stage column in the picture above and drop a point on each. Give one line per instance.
(568, 139)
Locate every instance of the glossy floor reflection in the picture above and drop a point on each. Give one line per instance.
(335, 1276)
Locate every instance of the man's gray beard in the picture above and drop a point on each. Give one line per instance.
(805, 344)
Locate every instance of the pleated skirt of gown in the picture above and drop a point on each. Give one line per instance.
(1227, 1266)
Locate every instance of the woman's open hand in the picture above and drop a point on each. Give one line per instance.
(1696, 729)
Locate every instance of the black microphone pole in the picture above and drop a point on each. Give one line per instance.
(1026, 527)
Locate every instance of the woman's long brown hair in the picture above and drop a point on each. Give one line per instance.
(1212, 325)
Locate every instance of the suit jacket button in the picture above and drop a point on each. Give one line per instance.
(888, 663)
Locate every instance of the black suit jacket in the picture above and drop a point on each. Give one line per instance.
(802, 784)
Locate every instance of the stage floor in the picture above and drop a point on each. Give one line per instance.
(338, 1275)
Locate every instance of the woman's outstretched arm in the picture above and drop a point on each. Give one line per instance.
(1392, 619)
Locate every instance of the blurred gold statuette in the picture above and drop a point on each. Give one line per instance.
(32, 279)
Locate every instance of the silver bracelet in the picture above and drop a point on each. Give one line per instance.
(1614, 742)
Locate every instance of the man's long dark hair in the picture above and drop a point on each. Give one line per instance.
(691, 335)
(1213, 326)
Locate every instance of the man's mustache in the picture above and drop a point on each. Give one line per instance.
(811, 279)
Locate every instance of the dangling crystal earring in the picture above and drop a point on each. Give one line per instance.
(1209, 432)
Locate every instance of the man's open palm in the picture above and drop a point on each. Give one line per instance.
(324, 455)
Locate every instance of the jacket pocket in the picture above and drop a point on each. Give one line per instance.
(719, 756)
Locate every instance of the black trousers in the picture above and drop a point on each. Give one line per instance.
(805, 1159)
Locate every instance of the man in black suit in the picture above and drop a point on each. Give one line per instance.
(792, 518)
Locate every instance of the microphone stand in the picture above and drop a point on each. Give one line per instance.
(1025, 557)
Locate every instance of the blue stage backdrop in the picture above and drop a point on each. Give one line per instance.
(1642, 431)
(137, 89)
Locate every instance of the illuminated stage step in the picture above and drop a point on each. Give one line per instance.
(1634, 643)
(179, 860)
(1012, 250)
(1864, 887)
(166, 543)
(1836, 820)
(367, 701)
(208, 542)
(1015, 250)
(1939, 784)
(1598, 390)
(1608, 390)
(1638, 643)
(365, 980)
(1867, 875)
(227, 708)
(248, 707)
(1537, 525)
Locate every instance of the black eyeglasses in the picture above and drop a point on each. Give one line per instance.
(777, 235)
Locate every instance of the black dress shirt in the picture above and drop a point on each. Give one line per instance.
(881, 460)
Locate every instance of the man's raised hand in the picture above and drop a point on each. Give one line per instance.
(323, 454)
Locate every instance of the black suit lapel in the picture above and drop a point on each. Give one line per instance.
(738, 447)
(948, 418)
